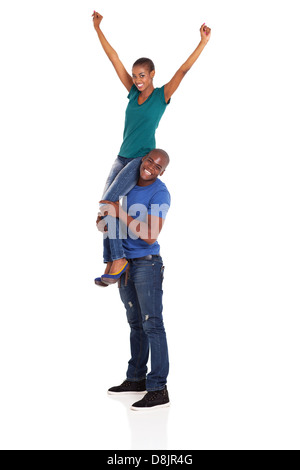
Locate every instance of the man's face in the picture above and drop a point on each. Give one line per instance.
(153, 165)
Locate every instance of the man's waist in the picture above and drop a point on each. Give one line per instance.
(146, 258)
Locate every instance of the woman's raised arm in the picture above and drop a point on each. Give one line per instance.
(122, 73)
(174, 83)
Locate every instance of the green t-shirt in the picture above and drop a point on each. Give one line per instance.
(141, 122)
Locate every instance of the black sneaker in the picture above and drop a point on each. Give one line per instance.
(129, 387)
(156, 399)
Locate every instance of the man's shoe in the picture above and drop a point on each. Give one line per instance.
(156, 399)
(129, 387)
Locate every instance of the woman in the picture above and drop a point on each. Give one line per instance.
(145, 108)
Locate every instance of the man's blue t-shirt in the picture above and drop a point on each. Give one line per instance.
(143, 200)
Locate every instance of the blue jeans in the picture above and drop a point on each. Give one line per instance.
(123, 176)
(142, 298)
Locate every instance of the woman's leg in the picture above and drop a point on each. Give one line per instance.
(115, 243)
(118, 165)
(106, 250)
(124, 181)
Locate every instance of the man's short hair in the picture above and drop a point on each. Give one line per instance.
(163, 153)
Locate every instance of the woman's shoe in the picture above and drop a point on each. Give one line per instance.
(113, 278)
(99, 282)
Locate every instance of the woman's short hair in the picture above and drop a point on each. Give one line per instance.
(145, 62)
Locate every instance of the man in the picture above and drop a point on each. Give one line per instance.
(141, 292)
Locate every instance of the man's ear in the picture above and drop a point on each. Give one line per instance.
(162, 172)
(144, 158)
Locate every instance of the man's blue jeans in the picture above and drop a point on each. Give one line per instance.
(123, 177)
(142, 298)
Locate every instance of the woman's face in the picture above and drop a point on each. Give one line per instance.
(141, 77)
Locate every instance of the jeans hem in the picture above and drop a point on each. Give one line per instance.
(155, 389)
(112, 259)
(136, 379)
(119, 257)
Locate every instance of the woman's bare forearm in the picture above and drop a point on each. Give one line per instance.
(174, 83)
(108, 49)
(193, 57)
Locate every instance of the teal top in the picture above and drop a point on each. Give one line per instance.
(141, 122)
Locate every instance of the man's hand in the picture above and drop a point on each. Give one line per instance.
(101, 224)
(110, 208)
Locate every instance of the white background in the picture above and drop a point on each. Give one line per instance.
(230, 243)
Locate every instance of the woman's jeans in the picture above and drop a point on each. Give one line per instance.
(123, 177)
(142, 298)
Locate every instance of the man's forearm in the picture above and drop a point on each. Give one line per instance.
(137, 227)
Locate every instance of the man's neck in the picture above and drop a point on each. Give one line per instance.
(142, 182)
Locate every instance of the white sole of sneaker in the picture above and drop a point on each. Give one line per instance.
(126, 393)
(149, 408)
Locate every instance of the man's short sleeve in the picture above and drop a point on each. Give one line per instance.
(160, 204)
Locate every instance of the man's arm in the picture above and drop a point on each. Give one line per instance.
(174, 83)
(147, 231)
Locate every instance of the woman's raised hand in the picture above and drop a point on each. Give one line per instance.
(97, 18)
(205, 33)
